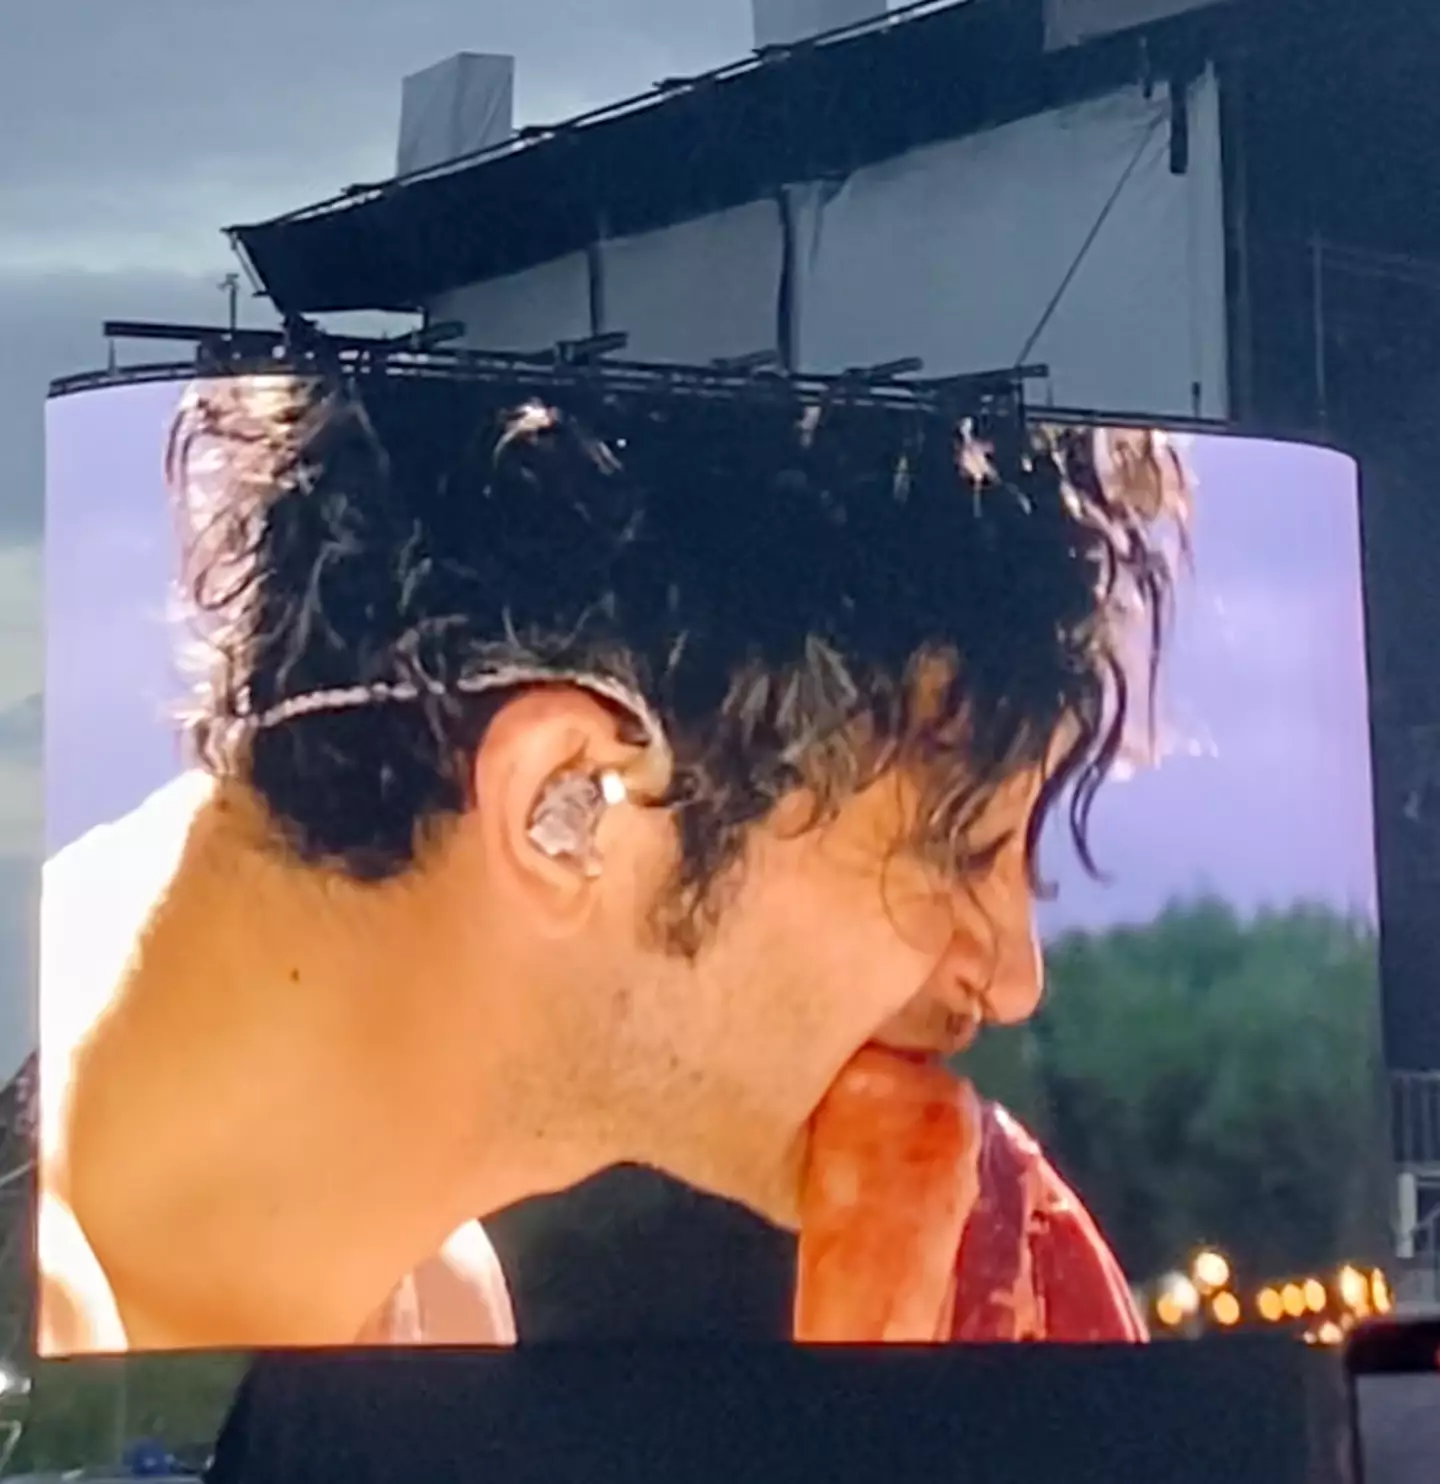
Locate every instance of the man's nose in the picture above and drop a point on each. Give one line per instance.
(998, 973)
(1019, 981)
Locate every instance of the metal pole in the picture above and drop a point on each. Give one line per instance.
(1235, 173)
(1317, 284)
(231, 284)
(1407, 1214)
(595, 271)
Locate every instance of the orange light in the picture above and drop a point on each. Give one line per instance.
(1270, 1305)
(1354, 1289)
(1316, 1299)
(1226, 1309)
(1380, 1293)
(1330, 1333)
(1178, 1300)
(1210, 1271)
(1292, 1296)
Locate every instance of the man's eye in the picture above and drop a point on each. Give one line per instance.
(965, 863)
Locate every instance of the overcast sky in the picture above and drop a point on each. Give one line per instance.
(131, 132)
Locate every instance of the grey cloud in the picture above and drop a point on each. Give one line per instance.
(22, 728)
(21, 622)
(21, 786)
(150, 124)
(19, 911)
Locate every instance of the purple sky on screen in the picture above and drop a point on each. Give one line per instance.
(110, 679)
(1264, 798)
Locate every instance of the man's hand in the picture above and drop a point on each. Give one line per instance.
(893, 1176)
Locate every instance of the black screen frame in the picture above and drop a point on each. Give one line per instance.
(1386, 1347)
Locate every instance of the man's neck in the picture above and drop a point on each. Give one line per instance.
(298, 1087)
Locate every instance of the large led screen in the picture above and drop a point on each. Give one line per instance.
(588, 894)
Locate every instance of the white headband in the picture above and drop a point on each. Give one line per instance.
(504, 677)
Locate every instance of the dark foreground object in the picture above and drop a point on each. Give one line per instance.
(1234, 1411)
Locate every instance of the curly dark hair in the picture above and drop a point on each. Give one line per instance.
(775, 580)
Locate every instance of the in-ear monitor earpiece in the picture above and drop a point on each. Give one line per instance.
(566, 818)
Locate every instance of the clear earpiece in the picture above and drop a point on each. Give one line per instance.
(568, 814)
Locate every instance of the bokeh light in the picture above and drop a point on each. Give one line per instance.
(1210, 1272)
(1321, 1312)
(1354, 1289)
(1178, 1300)
(1226, 1309)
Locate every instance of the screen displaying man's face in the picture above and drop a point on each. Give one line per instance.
(1196, 1075)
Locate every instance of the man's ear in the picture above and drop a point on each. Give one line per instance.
(546, 772)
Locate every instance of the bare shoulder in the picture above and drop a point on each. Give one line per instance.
(96, 897)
